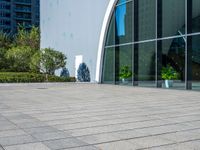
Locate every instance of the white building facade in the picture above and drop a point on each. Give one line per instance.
(74, 28)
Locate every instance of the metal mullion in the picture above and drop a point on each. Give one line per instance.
(152, 40)
(156, 44)
(186, 45)
(132, 47)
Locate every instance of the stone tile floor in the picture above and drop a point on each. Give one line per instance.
(97, 117)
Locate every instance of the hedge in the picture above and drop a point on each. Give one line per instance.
(25, 77)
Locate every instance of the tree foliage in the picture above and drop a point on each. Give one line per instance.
(17, 50)
(20, 58)
(21, 53)
(35, 62)
(83, 73)
(169, 73)
(65, 72)
(5, 40)
(125, 72)
(5, 44)
(48, 60)
(28, 38)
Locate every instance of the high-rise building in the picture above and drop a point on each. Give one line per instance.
(15, 12)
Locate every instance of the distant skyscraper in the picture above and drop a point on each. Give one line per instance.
(15, 12)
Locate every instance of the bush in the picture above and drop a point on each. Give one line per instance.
(16, 50)
(83, 73)
(25, 77)
(20, 58)
(125, 72)
(169, 73)
(64, 73)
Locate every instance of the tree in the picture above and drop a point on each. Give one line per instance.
(28, 38)
(35, 62)
(48, 60)
(20, 58)
(4, 63)
(64, 73)
(5, 40)
(5, 44)
(83, 73)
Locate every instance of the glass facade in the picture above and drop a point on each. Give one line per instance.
(154, 43)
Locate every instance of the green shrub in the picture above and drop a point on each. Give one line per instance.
(125, 72)
(169, 73)
(25, 77)
(20, 57)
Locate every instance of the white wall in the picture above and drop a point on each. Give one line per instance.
(73, 27)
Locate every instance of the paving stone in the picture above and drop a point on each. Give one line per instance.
(8, 133)
(127, 134)
(183, 136)
(31, 124)
(99, 138)
(64, 143)
(83, 148)
(120, 145)
(164, 129)
(40, 129)
(1, 147)
(151, 141)
(176, 146)
(6, 125)
(194, 145)
(13, 140)
(31, 146)
(21, 121)
(50, 135)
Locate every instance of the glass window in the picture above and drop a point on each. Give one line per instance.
(110, 40)
(195, 16)
(122, 2)
(195, 62)
(123, 19)
(146, 64)
(173, 55)
(147, 17)
(173, 17)
(108, 74)
(125, 64)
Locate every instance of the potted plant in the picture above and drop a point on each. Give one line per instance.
(169, 74)
(125, 73)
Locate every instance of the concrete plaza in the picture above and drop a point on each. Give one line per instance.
(97, 117)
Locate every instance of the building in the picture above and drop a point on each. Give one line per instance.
(15, 12)
(145, 35)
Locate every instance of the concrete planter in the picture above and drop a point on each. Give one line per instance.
(169, 83)
(124, 81)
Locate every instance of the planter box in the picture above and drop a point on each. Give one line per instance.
(169, 83)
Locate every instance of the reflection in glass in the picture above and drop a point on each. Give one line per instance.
(195, 16)
(122, 2)
(120, 14)
(173, 17)
(108, 74)
(123, 19)
(146, 64)
(173, 54)
(147, 13)
(125, 60)
(110, 39)
(196, 62)
(146, 55)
